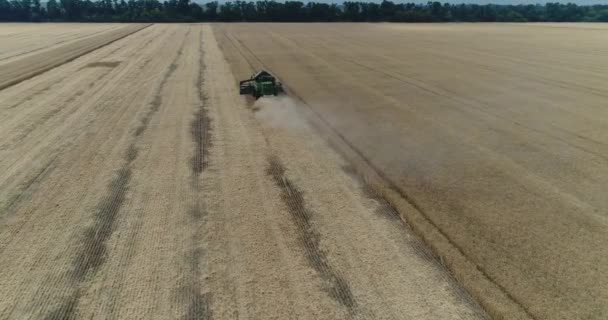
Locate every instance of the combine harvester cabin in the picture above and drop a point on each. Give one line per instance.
(261, 84)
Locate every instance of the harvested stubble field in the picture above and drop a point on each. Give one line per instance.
(21, 39)
(490, 139)
(135, 183)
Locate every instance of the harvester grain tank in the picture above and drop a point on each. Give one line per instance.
(261, 83)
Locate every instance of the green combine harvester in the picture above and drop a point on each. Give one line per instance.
(261, 84)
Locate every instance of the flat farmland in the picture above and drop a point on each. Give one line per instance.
(135, 183)
(490, 139)
(19, 39)
(22, 62)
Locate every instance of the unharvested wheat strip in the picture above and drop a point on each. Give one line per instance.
(491, 139)
(332, 243)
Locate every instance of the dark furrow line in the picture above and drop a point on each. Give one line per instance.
(109, 205)
(93, 253)
(31, 184)
(197, 304)
(335, 284)
(201, 125)
(102, 64)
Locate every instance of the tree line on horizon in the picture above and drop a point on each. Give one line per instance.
(290, 11)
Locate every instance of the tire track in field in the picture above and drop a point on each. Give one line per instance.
(93, 252)
(201, 125)
(335, 284)
(197, 303)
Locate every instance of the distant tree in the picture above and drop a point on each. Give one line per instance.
(229, 12)
(436, 11)
(6, 11)
(196, 12)
(352, 12)
(53, 10)
(72, 9)
(317, 12)
(370, 11)
(249, 11)
(20, 10)
(291, 11)
(387, 10)
(600, 16)
(183, 7)
(211, 11)
(37, 12)
(510, 15)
